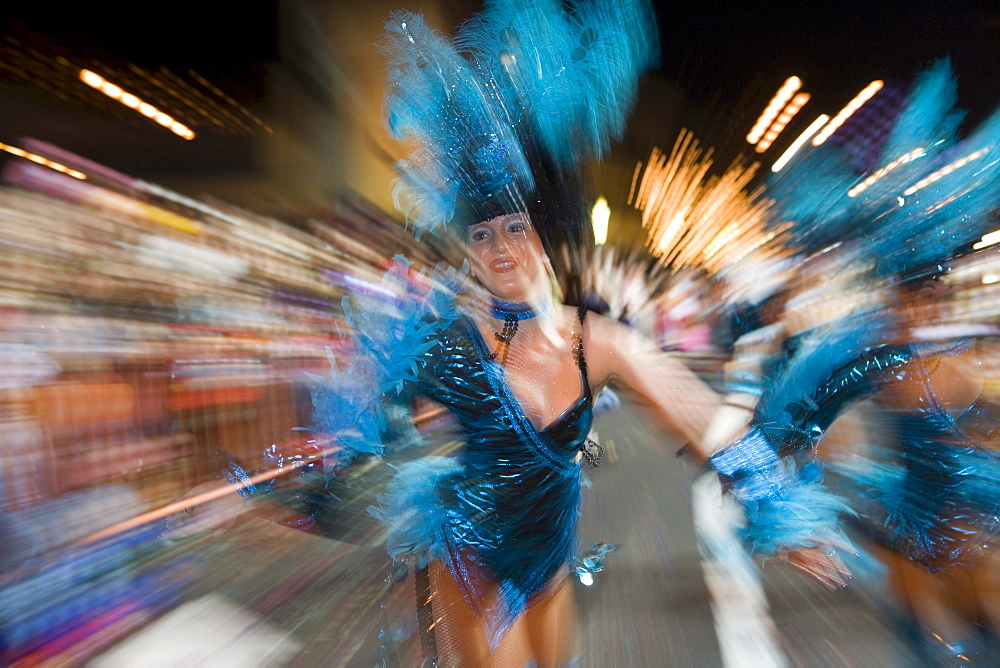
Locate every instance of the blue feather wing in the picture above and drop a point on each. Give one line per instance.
(393, 340)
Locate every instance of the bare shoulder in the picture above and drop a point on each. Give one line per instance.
(988, 353)
(610, 347)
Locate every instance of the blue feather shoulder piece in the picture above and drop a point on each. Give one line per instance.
(393, 338)
(830, 368)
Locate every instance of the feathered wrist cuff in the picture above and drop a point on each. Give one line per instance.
(751, 469)
(786, 508)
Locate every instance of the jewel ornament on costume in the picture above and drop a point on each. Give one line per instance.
(593, 561)
(504, 337)
(511, 313)
(592, 451)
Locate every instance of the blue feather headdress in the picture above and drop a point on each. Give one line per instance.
(466, 152)
(501, 118)
(943, 194)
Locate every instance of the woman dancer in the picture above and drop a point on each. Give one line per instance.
(927, 486)
(497, 524)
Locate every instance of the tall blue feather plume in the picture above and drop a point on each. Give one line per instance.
(811, 194)
(573, 70)
(463, 139)
(929, 120)
(529, 88)
(920, 213)
(933, 196)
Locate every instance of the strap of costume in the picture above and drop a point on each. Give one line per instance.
(581, 361)
(592, 450)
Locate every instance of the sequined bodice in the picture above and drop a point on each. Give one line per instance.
(512, 509)
(460, 377)
(943, 502)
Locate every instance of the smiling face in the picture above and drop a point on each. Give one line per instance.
(507, 257)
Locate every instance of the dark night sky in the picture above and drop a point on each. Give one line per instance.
(836, 48)
(729, 56)
(713, 47)
(218, 39)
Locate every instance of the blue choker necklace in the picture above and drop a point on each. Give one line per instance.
(504, 310)
(512, 313)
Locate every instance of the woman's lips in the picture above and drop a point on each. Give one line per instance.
(503, 265)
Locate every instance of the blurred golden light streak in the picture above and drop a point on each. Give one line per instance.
(781, 121)
(45, 162)
(693, 219)
(771, 111)
(600, 215)
(876, 175)
(635, 178)
(987, 240)
(98, 82)
(762, 243)
(92, 79)
(184, 93)
(799, 142)
(859, 100)
(944, 171)
(769, 245)
(111, 90)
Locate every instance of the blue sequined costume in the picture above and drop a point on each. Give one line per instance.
(931, 492)
(931, 484)
(503, 516)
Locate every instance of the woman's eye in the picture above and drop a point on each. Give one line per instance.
(516, 228)
(479, 235)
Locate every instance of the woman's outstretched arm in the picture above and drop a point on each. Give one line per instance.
(723, 435)
(678, 400)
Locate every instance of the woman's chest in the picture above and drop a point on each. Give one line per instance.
(545, 386)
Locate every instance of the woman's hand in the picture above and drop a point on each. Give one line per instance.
(822, 564)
